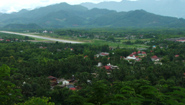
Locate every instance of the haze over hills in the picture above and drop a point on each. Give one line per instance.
(67, 16)
(174, 8)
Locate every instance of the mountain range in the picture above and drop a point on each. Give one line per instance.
(174, 8)
(64, 15)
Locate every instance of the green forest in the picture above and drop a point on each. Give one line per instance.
(38, 73)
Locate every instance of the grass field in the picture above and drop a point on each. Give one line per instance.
(97, 41)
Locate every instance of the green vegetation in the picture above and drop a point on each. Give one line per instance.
(25, 68)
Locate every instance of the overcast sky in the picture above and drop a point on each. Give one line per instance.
(9, 6)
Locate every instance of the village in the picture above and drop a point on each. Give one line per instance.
(134, 57)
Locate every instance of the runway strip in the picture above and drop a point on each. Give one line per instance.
(41, 37)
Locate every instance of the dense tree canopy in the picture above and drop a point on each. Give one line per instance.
(25, 67)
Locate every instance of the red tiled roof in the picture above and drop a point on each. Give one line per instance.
(139, 52)
(1, 39)
(176, 55)
(143, 52)
(104, 54)
(181, 40)
(107, 67)
(139, 59)
(72, 88)
(134, 53)
(131, 55)
(51, 77)
(154, 57)
(85, 56)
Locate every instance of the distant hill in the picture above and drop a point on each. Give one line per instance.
(67, 16)
(174, 8)
(22, 26)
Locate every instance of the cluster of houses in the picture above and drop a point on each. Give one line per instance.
(45, 31)
(108, 67)
(8, 40)
(136, 56)
(63, 83)
(182, 39)
(156, 60)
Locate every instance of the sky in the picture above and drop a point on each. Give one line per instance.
(8, 6)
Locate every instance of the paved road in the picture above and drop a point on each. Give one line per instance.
(41, 37)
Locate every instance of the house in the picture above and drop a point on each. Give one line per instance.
(110, 67)
(153, 46)
(7, 40)
(155, 58)
(99, 64)
(102, 54)
(45, 31)
(71, 87)
(131, 57)
(141, 53)
(65, 82)
(85, 56)
(138, 59)
(182, 41)
(1, 39)
(53, 80)
(176, 56)
(134, 53)
(158, 63)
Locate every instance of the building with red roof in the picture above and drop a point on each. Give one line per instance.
(180, 41)
(7, 40)
(104, 54)
(72, 89)
(155, 58)
(85, 56)
(144, 53)
(134, 53)
(107, 67)
(1, 39)
(53, 80)
(176, 56)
